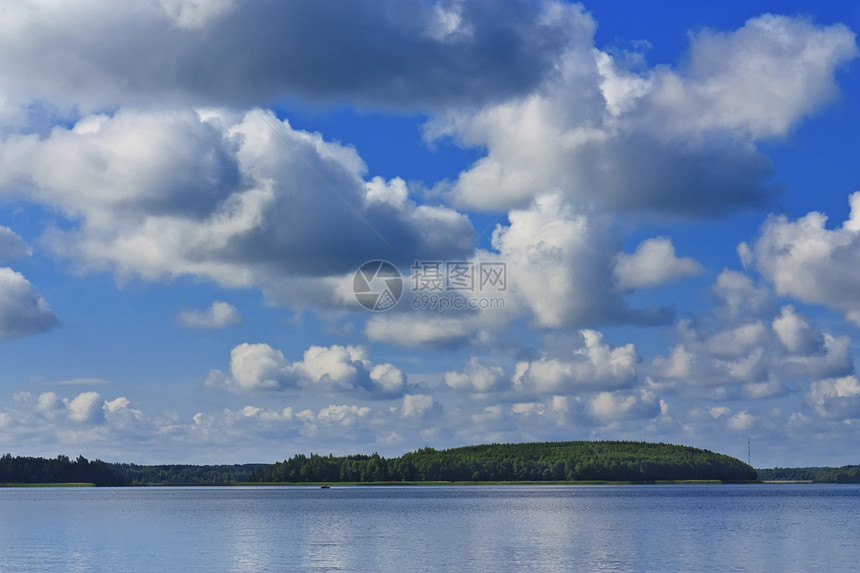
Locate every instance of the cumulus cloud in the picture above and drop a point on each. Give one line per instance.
(22, 310)
(725, 348)
(87, 414)
(806, 260)
(835, 398)
(259, 367)
(756, 81)
(560, 272)
(593, 366)
(234, 199)
(653, 264)
(343, 415)
(559, 266)
(625, 405)
(219, 315)
(418, 405)
(741, 421)
(222, 52)
(85, 407)
(675, 141)
(478, 378)
(795, 333)
(737, 295)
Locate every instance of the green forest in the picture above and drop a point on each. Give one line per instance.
(56, 470)
(544, 461)
(528, 462)
(845, 474)
(184, 474)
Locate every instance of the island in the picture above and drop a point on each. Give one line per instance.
(579, 461)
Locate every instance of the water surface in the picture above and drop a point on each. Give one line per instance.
(432, 528)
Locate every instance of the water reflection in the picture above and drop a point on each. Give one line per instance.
(403, 529)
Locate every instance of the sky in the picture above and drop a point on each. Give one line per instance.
(235, 231)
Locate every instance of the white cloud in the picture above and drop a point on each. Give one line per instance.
(625, 406)
(22, 310)
(810, 262)
(559, 266)
(417, 405)
(335, 368)
(741, 421)
(727, 347)
(767, 389)
(421, 53)
(739, 296)
(796, 333)
(85, 407)
(757, 81)
(213, 195)
(835, 398)
(219, 315)
(222, 198)
(595, 365)
(343, 415)
(478, 378)
(675, 141)
(258, 367)
(654, 263)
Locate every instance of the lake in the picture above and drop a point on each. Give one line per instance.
(432, 528)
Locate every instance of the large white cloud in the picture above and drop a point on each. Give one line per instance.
(806, 260)
(222, 52)
(676, 141)
(757, 81)
(562, 269)
(244, 201)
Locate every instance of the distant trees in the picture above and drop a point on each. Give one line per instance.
(845, 474)
(57, 470)
(168, 474)
(545, 461)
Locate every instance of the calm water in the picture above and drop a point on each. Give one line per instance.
(401, 529)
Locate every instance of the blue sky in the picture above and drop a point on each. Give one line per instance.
(181, 221)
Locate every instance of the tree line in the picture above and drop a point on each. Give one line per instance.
(545, 461)
(183, 474)
(56, 470)
(844, 474)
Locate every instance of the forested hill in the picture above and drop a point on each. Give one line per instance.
(545, 461)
